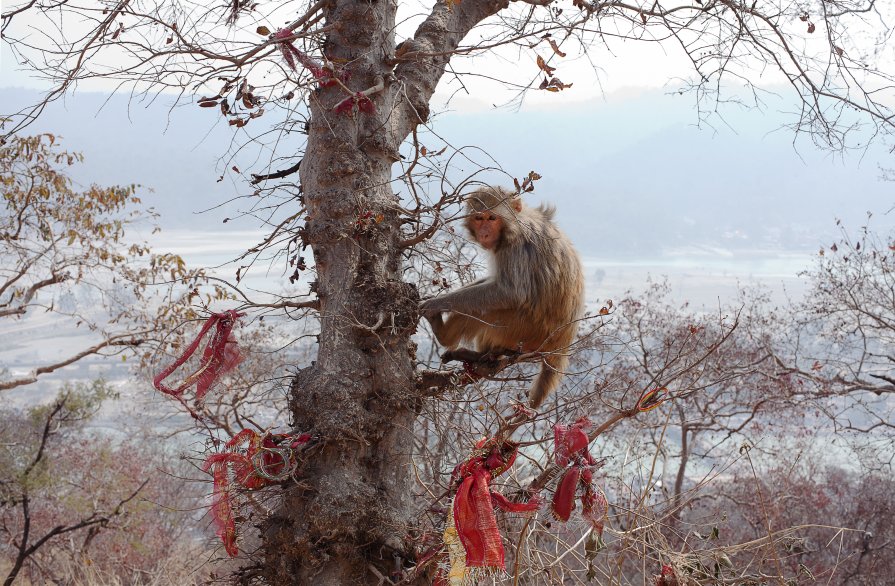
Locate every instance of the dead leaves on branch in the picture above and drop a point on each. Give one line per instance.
(554, 84)
(527, 184)
(238, 92)
(804, 18)
(551, 83)
(542, 65)
(236, 100)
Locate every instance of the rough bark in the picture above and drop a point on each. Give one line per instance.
(348, 520)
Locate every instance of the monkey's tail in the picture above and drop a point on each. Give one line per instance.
(548, 379)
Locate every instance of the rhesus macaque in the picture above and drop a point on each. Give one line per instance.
(533, 297)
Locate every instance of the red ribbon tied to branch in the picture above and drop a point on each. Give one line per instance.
(221, 354)
(266, 459)
(323, 73)
(570, 451)
(473, 509)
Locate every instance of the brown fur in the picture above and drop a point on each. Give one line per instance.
(532, 299)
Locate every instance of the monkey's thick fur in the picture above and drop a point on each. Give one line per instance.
(532, 299)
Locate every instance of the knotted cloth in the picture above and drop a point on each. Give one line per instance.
(221, 354)
(266, 458)
(570, 451)
(472, 513)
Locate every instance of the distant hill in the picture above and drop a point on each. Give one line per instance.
(176, 153)
(631, 176)
(637, 177)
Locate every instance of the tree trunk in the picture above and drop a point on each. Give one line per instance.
(351, 508)
(348, 519)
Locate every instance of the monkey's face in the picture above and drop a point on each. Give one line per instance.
(486, 227)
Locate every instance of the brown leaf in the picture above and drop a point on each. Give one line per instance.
(208, 103)
(169, 40)
(543, 85)
(604, 311)
(804, 17)
(225, 107)
(555, 48)
(810, 27)
(555, 85)
(262, 30)
(542, 65)
(838, 50)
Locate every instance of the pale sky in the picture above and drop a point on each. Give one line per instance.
(623, 66)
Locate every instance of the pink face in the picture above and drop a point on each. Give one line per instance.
(487, 226)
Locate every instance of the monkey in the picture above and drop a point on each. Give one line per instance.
(532, 298)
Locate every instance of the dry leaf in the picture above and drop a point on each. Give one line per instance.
(554, 85)
(555, 48)
(544, 67)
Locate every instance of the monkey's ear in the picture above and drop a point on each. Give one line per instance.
(516, 204)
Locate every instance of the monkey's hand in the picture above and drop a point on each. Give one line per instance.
(431, 309)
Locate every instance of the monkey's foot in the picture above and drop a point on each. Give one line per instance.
(489, 358)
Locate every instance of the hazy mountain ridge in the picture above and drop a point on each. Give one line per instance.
(630, 177)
